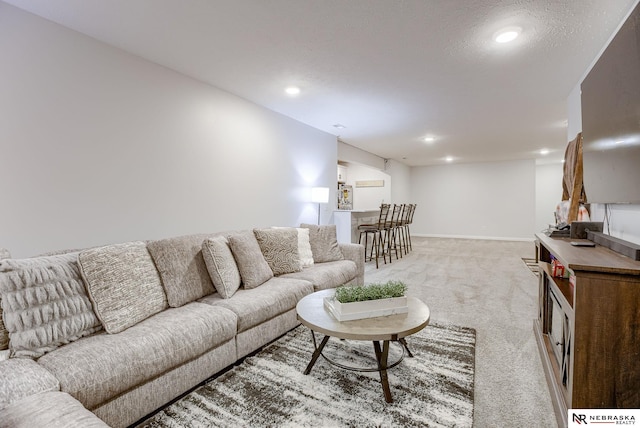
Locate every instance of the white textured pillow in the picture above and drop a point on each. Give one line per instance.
(45, 304)
(304, 247)
(221, 266)
(123, 284)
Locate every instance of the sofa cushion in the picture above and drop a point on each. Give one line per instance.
(182, 268)
(49, 409)
(255, 306)
(254, 269)
(21, 377)
(107, 365)
(324, 243)
(123, 284)
(45, 303)
(280, 249)
(221, 266)
(328, 274)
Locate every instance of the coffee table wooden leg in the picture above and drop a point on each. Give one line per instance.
(406, 347)
(382, 356)
(316, 354)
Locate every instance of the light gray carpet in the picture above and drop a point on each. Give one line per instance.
(484, 285)
(432, 389)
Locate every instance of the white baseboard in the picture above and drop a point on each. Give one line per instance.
(486, 238)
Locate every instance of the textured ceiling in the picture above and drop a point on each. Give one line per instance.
(391, 71)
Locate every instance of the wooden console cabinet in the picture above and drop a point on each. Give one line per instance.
(588, 334)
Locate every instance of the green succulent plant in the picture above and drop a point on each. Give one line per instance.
(349, 293)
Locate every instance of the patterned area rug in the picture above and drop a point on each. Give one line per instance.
(432, 389)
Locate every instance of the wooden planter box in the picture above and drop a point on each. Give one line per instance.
(366, 309)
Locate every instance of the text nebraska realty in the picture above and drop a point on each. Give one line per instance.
(610, 419)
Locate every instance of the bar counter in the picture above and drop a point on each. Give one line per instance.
(347, 222)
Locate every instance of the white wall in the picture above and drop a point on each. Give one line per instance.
(98, 146)
(401, 179)
(621, 221)
(548, 193)
(482, 200)
(368, 198)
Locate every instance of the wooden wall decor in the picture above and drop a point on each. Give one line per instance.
(370, 183)
(572, 183)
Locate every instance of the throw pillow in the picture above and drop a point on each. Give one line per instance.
(253, 268)
(123, 284)
(324, 243)
(304, 247)
(221, 266)
(280, 249)
(183, 271)
(45, 304)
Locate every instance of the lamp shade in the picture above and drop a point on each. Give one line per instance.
(320, 195)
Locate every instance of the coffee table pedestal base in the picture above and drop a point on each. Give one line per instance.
(382, 359)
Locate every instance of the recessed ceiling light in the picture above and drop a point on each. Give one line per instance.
(507, 35)
(292, 90)
(544, 152)
(429, 139)
(449, 158)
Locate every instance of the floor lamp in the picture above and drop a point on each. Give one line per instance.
(319, 195)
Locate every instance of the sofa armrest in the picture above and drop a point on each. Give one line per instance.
(52, 409)
(22, 377)
(355, 253)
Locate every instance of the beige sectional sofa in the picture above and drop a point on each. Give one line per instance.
(108, 335)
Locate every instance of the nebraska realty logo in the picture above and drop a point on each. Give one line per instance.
(582, 417)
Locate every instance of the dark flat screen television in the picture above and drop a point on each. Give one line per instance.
(611, 119)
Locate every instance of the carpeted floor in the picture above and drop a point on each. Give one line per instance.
(484, 285)
(432, 389)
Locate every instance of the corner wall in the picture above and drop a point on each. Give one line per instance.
(99, 146)
(548, 193)
(366, 166)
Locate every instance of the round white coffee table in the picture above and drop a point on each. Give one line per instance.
(391, 328)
